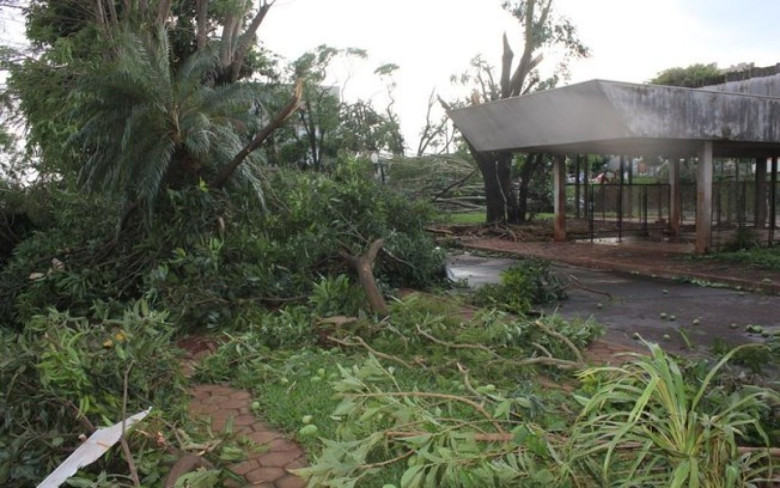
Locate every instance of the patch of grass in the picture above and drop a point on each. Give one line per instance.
(765, 258)
(463, 218)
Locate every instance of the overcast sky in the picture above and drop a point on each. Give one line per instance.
(631, 40)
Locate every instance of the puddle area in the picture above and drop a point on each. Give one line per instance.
(680, 245)
(676, 315)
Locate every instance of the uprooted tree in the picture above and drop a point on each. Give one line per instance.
(542, 29)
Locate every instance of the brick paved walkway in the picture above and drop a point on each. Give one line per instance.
(264, 469)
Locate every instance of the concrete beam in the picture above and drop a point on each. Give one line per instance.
(704, 199)
(675, 199)
(633, 119)
(559, 196)
(759, 214)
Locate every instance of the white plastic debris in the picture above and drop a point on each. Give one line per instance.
(90, 451)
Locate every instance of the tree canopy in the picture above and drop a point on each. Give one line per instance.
(130, 98)
(693, 76)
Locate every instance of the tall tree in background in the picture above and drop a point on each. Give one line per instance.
(693, 76)
(542, 29)
(326, 123)
(366, 128)
(311, 140)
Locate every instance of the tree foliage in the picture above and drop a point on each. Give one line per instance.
(326, 123)
(693, 76)
(77, 41)
(146, 126)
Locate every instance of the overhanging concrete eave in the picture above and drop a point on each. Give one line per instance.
(670, 148)
(622, 118)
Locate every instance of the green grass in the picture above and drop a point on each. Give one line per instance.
(463, 218)
(478, 218)
(759, 258)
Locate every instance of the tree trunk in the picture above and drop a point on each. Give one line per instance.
(364, 265)
(496, 172)
(532, 164)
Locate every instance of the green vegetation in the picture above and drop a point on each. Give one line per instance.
(463, 218)
(693, 76)
(648, 422)
(66, 375)
(163, 194)
(759, 258)
(437, 364)
(526, 284)
(746, 249)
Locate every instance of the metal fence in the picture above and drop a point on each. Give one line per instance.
(648, 206)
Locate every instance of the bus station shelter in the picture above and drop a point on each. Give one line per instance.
(607, 117)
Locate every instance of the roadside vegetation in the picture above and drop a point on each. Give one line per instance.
(746, 248)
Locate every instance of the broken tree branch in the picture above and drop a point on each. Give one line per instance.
(364, 266)
(122, 438)
(260, 137)
(364, 345)
(454, 185)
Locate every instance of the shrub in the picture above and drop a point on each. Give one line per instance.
(526, 284)
(745, 238)
(65, 375)
(649, 425)
(211, 256)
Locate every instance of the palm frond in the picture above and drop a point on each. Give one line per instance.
(140, 119)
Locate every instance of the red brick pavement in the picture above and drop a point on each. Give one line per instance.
(267, 469)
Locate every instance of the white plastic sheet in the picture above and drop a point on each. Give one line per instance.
(90, 451)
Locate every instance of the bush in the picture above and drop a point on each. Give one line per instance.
(526, 284)
(745, 238)
(649, 424)
(65, 375)
(211, 256)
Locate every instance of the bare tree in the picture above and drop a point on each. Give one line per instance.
(541, 29)
(436, 136)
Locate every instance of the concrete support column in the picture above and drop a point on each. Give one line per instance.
(759, 214)
(704, 199)
(577, 184)
(773, 203)
(559, 195)
(675, 200)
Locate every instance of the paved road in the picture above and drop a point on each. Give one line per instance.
(636, 303)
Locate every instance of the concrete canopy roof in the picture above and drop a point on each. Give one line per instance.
(607, 117)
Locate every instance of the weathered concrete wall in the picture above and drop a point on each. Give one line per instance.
(767, 86)
(698, 115)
